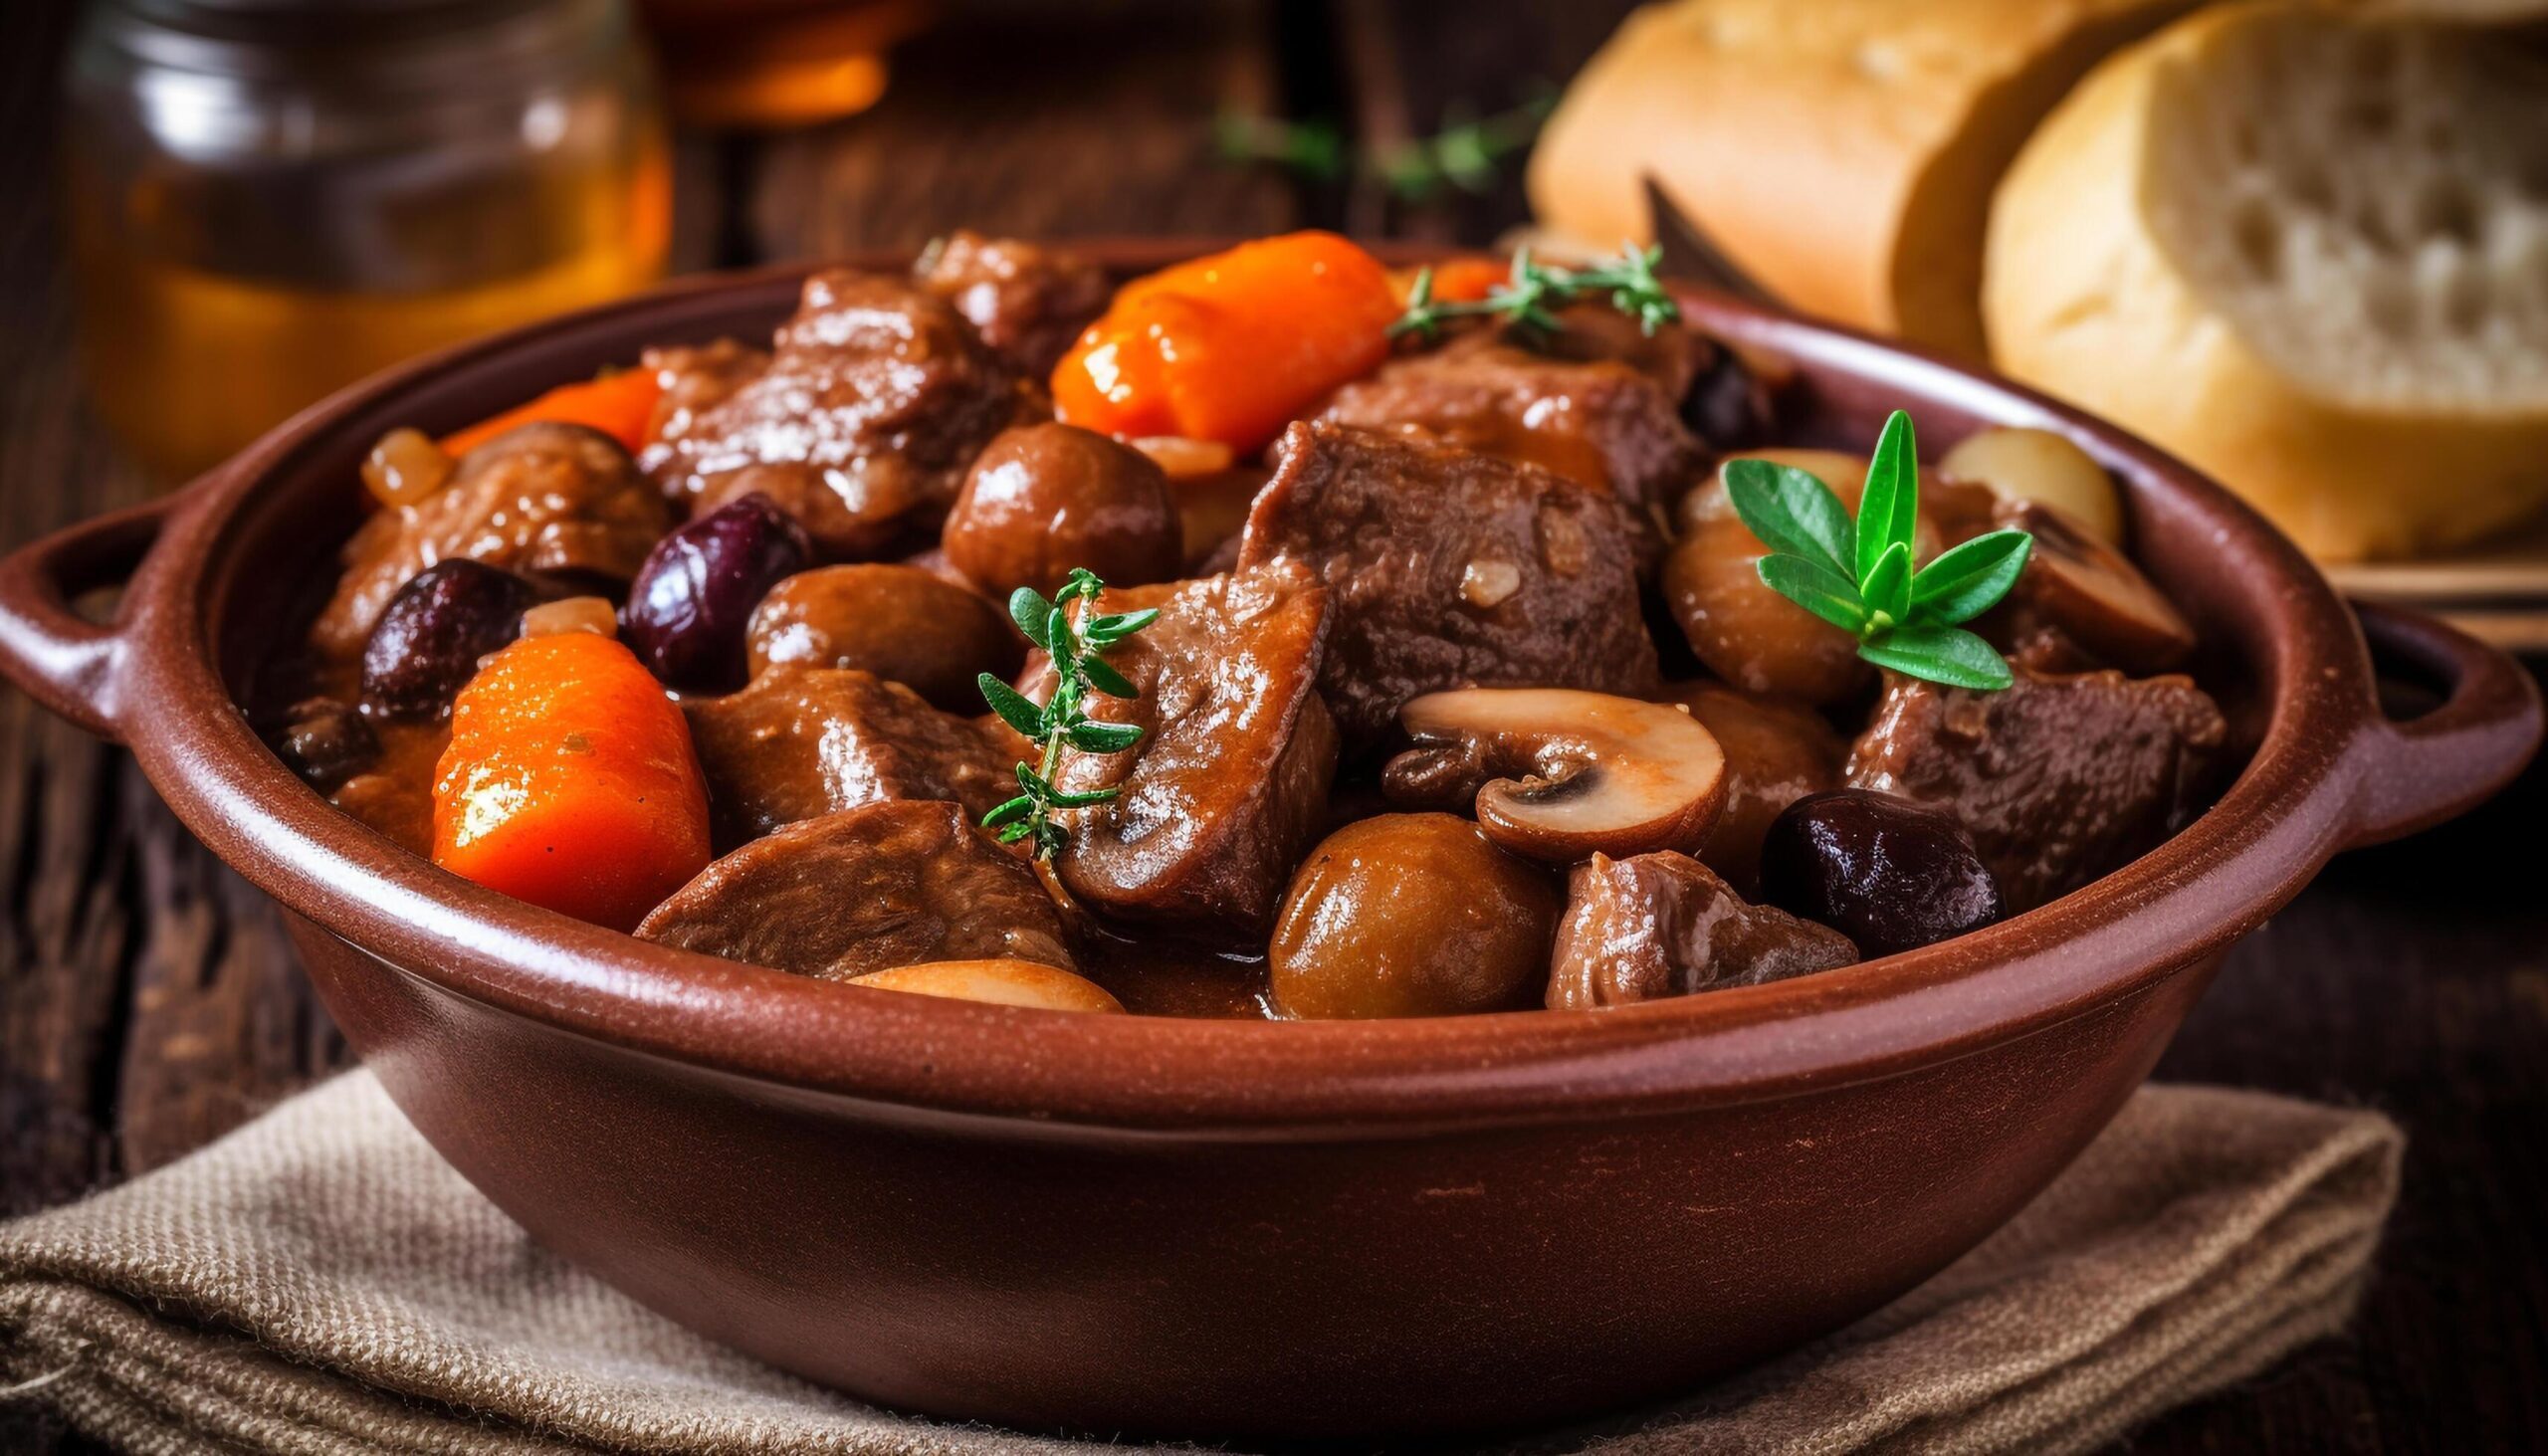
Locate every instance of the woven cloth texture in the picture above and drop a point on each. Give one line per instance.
(322, 1282)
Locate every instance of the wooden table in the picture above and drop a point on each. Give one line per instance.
(149, 1001)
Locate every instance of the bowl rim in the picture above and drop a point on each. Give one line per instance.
(2296, 802)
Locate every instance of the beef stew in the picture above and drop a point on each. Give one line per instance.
(1486, 682)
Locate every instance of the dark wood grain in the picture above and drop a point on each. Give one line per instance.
(147, 1001)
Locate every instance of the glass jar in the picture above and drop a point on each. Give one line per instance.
(270, 198)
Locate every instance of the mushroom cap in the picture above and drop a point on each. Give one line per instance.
(1002, 982)
(2093, 592)
(1561, 775)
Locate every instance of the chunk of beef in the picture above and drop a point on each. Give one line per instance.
(803, 741)
(865, 890)
(875, 402)
(1227, 788)
(1029, 301)
(1663, 924)
(694, 378)
(2059, 777)
(1602, 422)
(543, 500)
(1450, 568)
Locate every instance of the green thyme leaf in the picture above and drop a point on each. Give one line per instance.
(1886, 593)
(1530, 297)
(1032, 614)
(1015, 707)
(1114, 627)
(1792, 511)
(1103, 738)
(1103, 677)
(1967, 580)
(1816, 588)
(1889, 509)
(1083, 800)
(1941, 654)
(1079, 668)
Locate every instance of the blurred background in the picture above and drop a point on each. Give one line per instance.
(215, 211)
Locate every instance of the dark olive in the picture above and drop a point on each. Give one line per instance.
(694, 597)
(326, 742)
(1886, 871)
(1412, 915)
(429, 638)
(1043, 499)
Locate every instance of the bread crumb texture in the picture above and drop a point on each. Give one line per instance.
(2367, 201)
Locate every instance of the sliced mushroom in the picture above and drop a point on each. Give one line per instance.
(1000, 983)
(2038, 465)
(1559, 774)
(2092, 593)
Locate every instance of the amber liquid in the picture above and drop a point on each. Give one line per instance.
(187, 364)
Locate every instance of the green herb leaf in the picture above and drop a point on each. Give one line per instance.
(1886, 593)
(1032, 614)
(1889, 507)
(1792, 513)
(1941, 654)
(1079, 668)
(1092, 736)
(1082, 800)
(1103, 677)
(1114, 627)
(1529, 297)
(1015, 707)
(1816, 588)
(1970, 579)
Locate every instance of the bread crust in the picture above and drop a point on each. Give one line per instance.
(1843, 151)
(2084, 300)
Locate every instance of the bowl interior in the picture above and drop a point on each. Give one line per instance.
(277, 516)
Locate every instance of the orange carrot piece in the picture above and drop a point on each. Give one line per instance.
(570, 782)
(1467, 279)
(1231, 346)
(619, 405)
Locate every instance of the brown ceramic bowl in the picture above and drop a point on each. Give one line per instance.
(1227, 1228)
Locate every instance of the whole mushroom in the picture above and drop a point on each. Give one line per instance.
(1559, 774)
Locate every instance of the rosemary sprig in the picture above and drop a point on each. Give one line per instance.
(1857, 575)
(1079, 668)
(1530, 298)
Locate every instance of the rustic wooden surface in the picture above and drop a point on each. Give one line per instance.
(148, 1002)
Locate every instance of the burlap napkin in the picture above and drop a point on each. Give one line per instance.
(322, 1282)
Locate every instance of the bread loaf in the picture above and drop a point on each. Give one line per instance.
(1842, 151)
(2305, 247)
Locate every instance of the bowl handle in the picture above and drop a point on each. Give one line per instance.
(2423, 770)
(62, 660)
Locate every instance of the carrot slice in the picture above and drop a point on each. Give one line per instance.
(1231, 346)
(619, 405)
(570, 782)
(1467, 279)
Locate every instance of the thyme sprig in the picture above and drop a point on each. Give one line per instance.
(1857, 574)
(1469, 154)
(1080, 668)
(1531, 296)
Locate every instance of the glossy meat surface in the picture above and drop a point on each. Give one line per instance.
(865, 890)
(803, 741)
(694, 378)
(1664, 924)
(1028, 302)
(1228, 785)
(875, 399)
(1450, 568)
(540, 500)
(1601, 421)
(2059, 778)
